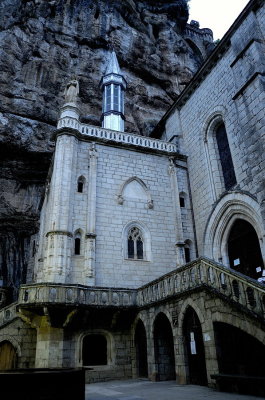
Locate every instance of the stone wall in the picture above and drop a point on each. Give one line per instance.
(122, 189)
(232, 91)
(23, 339)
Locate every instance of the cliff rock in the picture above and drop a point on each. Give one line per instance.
(46, 42)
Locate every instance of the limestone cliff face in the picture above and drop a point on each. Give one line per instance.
(45, 43)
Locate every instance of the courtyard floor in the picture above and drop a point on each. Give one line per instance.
(141, 389)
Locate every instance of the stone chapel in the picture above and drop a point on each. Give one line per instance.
(149, 261)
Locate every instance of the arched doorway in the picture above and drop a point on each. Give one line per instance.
(164, 349)
(95, 350)
(244, 249)
(141, 350)
(194, 347)
(8, 356)
(238, 352)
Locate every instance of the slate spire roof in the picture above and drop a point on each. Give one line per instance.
(113, 65)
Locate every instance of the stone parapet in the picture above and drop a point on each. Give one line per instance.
(197, 275)
(8, 314)
(203, 273)
(119, 138)
(40, 294)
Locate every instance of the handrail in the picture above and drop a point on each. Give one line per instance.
(122, 138)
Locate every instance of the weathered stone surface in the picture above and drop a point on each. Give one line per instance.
(46, 43)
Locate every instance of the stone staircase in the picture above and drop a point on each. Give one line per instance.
(203, 273)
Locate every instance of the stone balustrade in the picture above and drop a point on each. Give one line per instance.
(120, 138)
(205, 273)
(49, 293)
(201, 273)
(8, 313)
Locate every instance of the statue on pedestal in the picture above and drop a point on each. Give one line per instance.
(71, 91)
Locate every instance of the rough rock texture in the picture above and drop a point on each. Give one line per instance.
(45, 43)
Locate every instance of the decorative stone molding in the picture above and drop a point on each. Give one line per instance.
(120, 199)
(65, 233)
(91, 235)
(201, 274)
(146, 195)
(120, 138)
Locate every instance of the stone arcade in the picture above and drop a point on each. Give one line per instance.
(151, 249)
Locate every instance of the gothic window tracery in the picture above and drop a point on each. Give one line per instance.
(135, 244)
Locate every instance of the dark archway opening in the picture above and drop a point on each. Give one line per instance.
(192, 332)
(141, 350)
(8, 356)
(164, 349)
(244, 249)
(94, 350)
(238, 352)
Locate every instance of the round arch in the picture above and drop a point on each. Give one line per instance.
(9, 352)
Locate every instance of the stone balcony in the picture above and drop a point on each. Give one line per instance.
(72, 295)
(201, 274)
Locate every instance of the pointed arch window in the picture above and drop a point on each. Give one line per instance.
(135, 244)
(225, 157)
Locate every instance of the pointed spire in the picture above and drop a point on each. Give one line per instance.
(113, 65)
(113, 86)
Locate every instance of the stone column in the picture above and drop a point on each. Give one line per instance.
(210, 351)
(181, 367)
(49, 348)
(58, 248)
(177, 213)
(90, 239)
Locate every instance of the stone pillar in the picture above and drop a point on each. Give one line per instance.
(181, 367)
(58, 237)
(210, 351)
(49, 348)
(177, 213)
(90, 239)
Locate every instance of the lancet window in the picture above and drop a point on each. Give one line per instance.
(225, 157)
(135, 244)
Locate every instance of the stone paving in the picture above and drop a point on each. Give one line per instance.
(142, 389)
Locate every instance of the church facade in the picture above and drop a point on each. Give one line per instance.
(150, 257)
